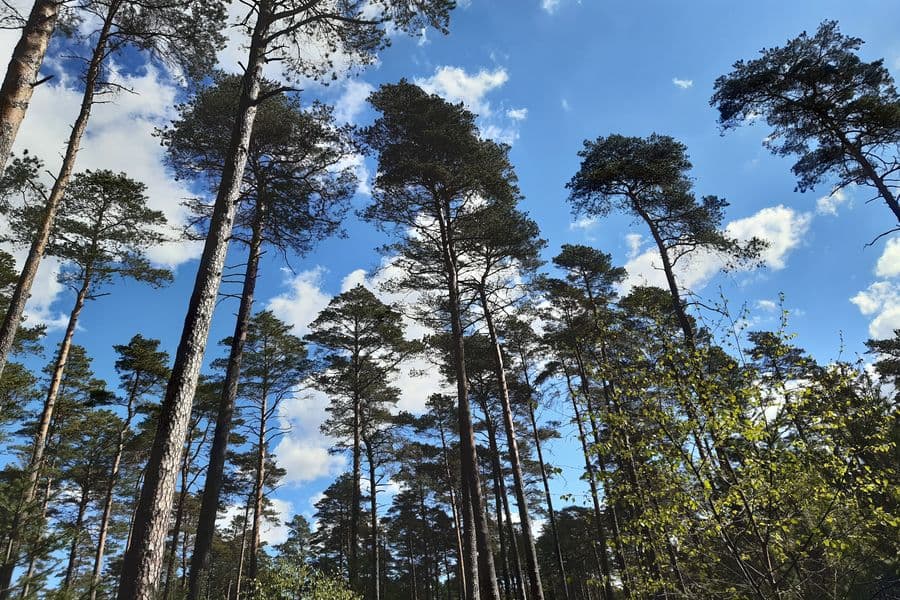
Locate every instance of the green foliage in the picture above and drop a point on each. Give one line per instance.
(292, 581)
(839, 115)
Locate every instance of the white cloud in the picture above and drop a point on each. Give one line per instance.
(303, 451)
(517, 114)
(302, 302)
(352, 101)
(270, 533)
(583, 223)
(550, 6)
(782, 227)
(457, 85)
(880, 300)
(683, 83)
(766, 305)
(565, 104)
(828, 205)
(634, 241)
(888, 264)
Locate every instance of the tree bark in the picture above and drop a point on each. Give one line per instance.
(19, 298)
(215, 472)
(534, 570)
(22, 72)
(460, 553)
(258, 497)
(143, 561)
(375, 584)
(481, 558)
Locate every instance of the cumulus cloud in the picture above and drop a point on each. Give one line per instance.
(683, 83)
(303, 451)
(457, 85)
(271, 533)
(303, 300)
(583, 223)
(881, 300)
(888, 264)
(633, 240)
(783, 228)
(517, 114)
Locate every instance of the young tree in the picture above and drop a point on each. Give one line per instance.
(294, 192)
(434, 168)
(362, 344)
(184, 35)
(839, 115)
(275, 363)
(142, 370)
(278, 31)
(102, 233)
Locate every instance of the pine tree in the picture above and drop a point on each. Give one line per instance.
(839, 115)
(277, 30)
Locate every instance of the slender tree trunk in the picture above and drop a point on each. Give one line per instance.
(498, 510)
(39, 447)
(32, 560)
(240, 573)
(355, 496)
(19, 298)
(215, 472)
(22, 73)
(143, 561)
(259, 488)
(76, 538)
(592, 481)
(482, 559)
(457, 525)
(534, 570)
(545, 479)
(110, 490)
(176, 531)
(375, 584)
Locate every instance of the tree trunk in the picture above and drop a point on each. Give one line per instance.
(110, 490)
(481, 567)
(22, 72)
(32, 560)
(35, 463)
(76, 537)
(19, 298)
(143, 561)
(240, 573)
(215, 472)
(534, 571)
(176, 531)
(258, 490)
(375, 584)
(592, 481)
(460, 553)
(355, 496)
(545, 479)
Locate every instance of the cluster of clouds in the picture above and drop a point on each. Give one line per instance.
(880, 301)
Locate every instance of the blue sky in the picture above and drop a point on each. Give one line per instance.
(544, 75)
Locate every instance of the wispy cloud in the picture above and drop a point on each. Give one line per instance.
(683, 83)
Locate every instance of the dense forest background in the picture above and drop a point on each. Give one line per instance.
(294, 307)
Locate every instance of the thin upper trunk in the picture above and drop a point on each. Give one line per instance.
(143, 561)
(457, 525)
(32, 560)
(592, 481)
(545, 479)
(22, 73)
(534, 571)
(258, 490)
(375, 584)
(481, 563)
(76, 538)
(111, 487)
(240, 573)
(19, 298)
(215, 472)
